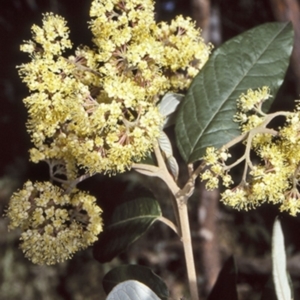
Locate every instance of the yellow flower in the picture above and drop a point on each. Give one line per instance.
(212, 156)
(237, 198)
(184, 53)
(291, 203)
(96, 110)
(54, 225)
(212, 180)
(253, 99)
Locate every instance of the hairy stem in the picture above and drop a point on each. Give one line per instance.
(180, 209)
(188, 250)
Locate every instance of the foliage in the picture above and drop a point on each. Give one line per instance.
(128, 222)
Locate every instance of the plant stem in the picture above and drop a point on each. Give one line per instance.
(180, 209)
(188, 249)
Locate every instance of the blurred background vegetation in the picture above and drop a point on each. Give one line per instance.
(218, 232)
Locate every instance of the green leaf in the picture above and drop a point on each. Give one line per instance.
(225, 287)
(131, 290)
(253, 59)
(129, 221)
(139, 273)
(280, 276)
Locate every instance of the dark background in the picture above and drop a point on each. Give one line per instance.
(244, 234)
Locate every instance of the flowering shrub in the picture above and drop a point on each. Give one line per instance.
(104, 110)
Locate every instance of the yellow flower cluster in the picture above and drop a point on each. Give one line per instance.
(216, 160)
(54, 225)
(275, 178)
(97, 109)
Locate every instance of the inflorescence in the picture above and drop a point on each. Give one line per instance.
(54, 225)
(95, 112)
(97, 109)
(275, 176)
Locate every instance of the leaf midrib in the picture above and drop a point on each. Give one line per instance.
(133, 219)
